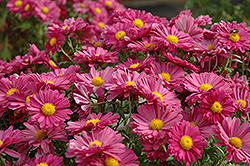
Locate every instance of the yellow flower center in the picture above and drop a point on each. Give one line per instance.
(40, 135)
(186, 142)
(138, 23)
(120, 35)
(98, 10)
(110, 161)
(156, 124)
(234, 37)
(166, 76)
(54, 65)
(210, 47)
(52, 41)
(205, 87)
(101, 25)
(157, 94)
(45, 10)
(130, 83)
(172, 39)
(18, 3)
(97, 143)
(11, 91)
(64, 27)
(1, 142)
(42, 164)
(149, 44)
(28, 98)
(27, 7)
(216, 107)
(236, 142)
(193, 123)
(48, 109)
(243, 103)
(15, 113)
(94, 121)
(97, 54)
(97, 44)
(108, 3)
(97, 81)
(134, 65)
(82, 6)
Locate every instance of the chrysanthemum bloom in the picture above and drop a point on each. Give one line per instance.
(98, 143)
(7, 138)
(153, 91)
(241, 97)
(236, 80)
(232, 35)
(46, 161)
(23, 159)
(92, 123)
(195, 117)
(81, 96)
(46, 10)
(14, 5)
(26, 9)
(172, 75)
(203, 82)
(122, 84)
(173, 38)
(117, 35)
(203, 20)
(236, 138)
(90, 56)
(216, 105)
(97, 9)
(48, 107)
(35, 137)
(185, 143)
(55, 40)
(81, 7)
(152, 122)
(99, 23)
(4, 68)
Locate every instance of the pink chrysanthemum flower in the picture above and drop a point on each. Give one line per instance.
(203, 20)
(81, 7)
(85, 146)
(172, 75)
(173, 38)
(46, 161)
(97, 9)
(203, 82)
(236, 138)
(185, 143)
(35, 137)
(46, 10)
(4, 68)
(55, 40)
(241, 98)
(153, 91)
(99, 23)
(232, 35)
(14, 6)
(7, 138)
(216, 105)
(90, 56)
(92, 123)
(23, 159)
(48, 107)
(26, 9)
(152, 122)
(236, 80)
(110, 4)
(196, 118)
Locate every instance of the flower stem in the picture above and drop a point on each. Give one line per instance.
(209, 63)
(65, 53)
(2, 160)
(223, 158)
(130, 109)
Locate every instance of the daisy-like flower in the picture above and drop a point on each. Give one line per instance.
(173, 38)
(99, 23)
(203, 20)
(81, 7)
(23, 159)
(153, 91)
(217, 105)
(4, 68)
(26, 9)
(90, 56)
(101, 142)
(48, 107)
(232, 35)
(185, 143)
(241, 97)
(14, 6)
(203, 82)
(46, 10)
(97, 9)
(46, 161)
(92, 123)
(236, 138)
(236, 80)
(36, 137)
(152, 122)
(7, 138)
(55, 40)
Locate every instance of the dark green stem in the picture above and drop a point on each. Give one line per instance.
(65, 54)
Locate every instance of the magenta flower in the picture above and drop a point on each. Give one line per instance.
(97, 9)
(14, 6)
(185, 143)
(26, 9)
(81, 7)
(48, 108)
(152, 122)
(23, 159)
(7, 138)
(46, 161)
(55, 40)
(236, 137)
(100, 142)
